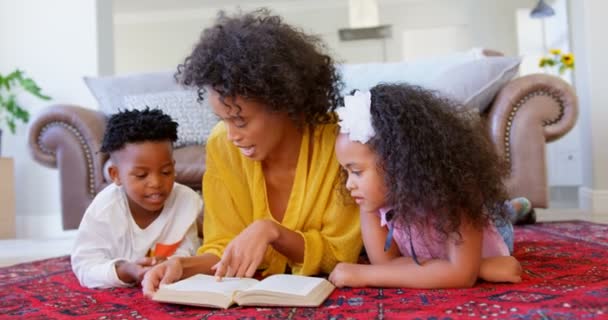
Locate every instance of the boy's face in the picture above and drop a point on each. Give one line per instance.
(256, 131)
(365, 181)
(147, 172)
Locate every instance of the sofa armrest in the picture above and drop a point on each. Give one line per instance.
(69, 137)
(526, 114)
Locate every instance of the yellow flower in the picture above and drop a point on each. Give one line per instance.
(556, 52)
(557, 61)
(568, 59)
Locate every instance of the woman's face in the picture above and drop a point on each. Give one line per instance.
(253, 129)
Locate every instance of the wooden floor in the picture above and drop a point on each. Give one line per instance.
(25, 250)
(569, 214)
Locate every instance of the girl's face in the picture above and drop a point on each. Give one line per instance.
(365, 181)
(146, 170)
(253, 129)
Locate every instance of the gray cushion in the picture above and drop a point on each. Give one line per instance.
(195, 119)
(156, 90)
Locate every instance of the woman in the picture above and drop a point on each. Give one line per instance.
(271, 179)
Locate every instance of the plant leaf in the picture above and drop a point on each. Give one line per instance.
(11, 125)
(10, 110)
(10, 104)
(21, 114)
(30, 86)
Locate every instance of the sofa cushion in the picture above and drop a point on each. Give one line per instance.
(472, 80)
(110, 91)
(422, 71)
(475, 83)
(195, 119)
(156, 90)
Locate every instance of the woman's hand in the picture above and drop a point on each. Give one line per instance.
(163, 273)
(244, 253)
(348, 275)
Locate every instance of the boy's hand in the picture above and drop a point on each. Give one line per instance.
(131, 272)
(348, 275)
(138, 272)
(149, 261)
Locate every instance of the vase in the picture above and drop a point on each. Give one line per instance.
(553, 71)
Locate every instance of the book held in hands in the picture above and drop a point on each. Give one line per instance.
(276, 290)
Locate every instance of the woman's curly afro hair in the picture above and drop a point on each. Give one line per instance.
(136, 126)
(258, 56)
(437, 158)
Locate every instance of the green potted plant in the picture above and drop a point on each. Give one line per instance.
(11, 111)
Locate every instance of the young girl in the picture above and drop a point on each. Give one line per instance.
(429, 187)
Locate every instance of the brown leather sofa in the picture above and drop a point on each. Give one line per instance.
(527, 113)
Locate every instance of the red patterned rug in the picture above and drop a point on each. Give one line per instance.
(566, 277)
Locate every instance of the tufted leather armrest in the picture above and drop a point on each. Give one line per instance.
(190, 165)
(527, 113)
(69, 137)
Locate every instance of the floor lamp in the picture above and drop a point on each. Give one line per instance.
(542, 11)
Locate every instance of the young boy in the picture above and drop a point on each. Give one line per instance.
(143, 217)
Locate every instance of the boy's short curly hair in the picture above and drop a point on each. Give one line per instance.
(437, 159)
(258, 56)
(135, 126)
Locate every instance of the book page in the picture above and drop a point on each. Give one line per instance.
(287, 283)
(205, 283)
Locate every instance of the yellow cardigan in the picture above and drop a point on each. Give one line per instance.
(234, 193)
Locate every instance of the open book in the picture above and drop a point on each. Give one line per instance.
(276, 290)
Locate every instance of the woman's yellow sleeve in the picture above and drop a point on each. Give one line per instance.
(223, 197)
(334, 233)
(338, 240)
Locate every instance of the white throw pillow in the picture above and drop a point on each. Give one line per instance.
(110, 91)
(476, 83)
(470, 79)
(423, 71)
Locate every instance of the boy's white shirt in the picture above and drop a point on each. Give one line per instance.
(108, 234)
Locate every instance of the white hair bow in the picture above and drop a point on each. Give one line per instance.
(355, 117)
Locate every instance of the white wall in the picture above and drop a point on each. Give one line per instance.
(151, 40)
(56, 43)
(588, 20)
(535, 38)
(154, 43)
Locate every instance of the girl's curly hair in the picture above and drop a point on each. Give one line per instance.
(258, 56)
(437, 159)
